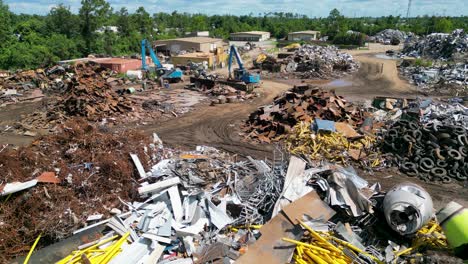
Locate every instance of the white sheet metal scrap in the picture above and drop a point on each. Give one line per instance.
(193, 196)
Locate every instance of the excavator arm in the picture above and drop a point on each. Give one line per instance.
(233, 53)
(144, 46)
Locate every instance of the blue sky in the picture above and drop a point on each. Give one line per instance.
(317, 8)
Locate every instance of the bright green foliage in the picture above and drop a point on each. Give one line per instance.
(29, 41)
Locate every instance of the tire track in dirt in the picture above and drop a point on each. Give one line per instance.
(218, 126)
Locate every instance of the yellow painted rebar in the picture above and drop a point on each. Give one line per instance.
(26, 260)
(356, 249)
(315, 258)
(319, 237)
(114, 249)
(306, 245)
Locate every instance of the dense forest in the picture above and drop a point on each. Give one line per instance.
(29, 41)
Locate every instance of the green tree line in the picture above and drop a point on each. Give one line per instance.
(31, 41)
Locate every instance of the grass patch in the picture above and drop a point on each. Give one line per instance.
(422, 63)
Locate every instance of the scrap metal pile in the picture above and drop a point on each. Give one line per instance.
(439, 46)
(137, 201)
(222, 93)
(267, 62)
(328, 214)
(143, 192)
(198, 206)
(15, 87)
(340, 144)
(385, 36)
(301, 103)
(66, 177)
(88, 94)
(434, 149)
(24, 85)
(443, 79)
(311, 61)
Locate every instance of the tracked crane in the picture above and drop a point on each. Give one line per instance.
(171, 75)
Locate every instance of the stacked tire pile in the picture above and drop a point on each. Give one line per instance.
(431, 152)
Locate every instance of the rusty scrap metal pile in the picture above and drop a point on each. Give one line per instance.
(16, 86)
(267, 62)
(89, 171)
(88, 94)
(311, 61)
(301, 103)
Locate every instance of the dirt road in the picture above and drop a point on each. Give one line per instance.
(375, 77)
(218, 126)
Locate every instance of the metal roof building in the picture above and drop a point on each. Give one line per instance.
(250, 36)
(191, 44)
(306, 35)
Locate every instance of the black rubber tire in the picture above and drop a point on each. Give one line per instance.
(417, 134)
(439, 172)
(458, 130)
(446, 180)
(430, 126)
(426, 164)
(460, 177)
(409, 139)
(408, 166)
(462, 140)
(463, 151)
(442, 136)
(454, 154)
(432, 144)
(413, 126)
(393, 133)
(441, 163)
(431, 137)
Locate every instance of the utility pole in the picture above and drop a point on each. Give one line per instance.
(408, 10)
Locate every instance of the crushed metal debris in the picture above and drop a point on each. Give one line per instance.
(301, 103)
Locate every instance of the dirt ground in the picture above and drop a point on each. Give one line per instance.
(219, 126)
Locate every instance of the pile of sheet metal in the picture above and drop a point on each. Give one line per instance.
(433, 152)
(301, 103)
(190, 205)
(442, 79)
(311, 61)
(439, 46)
(385, 36)
(449, 114)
